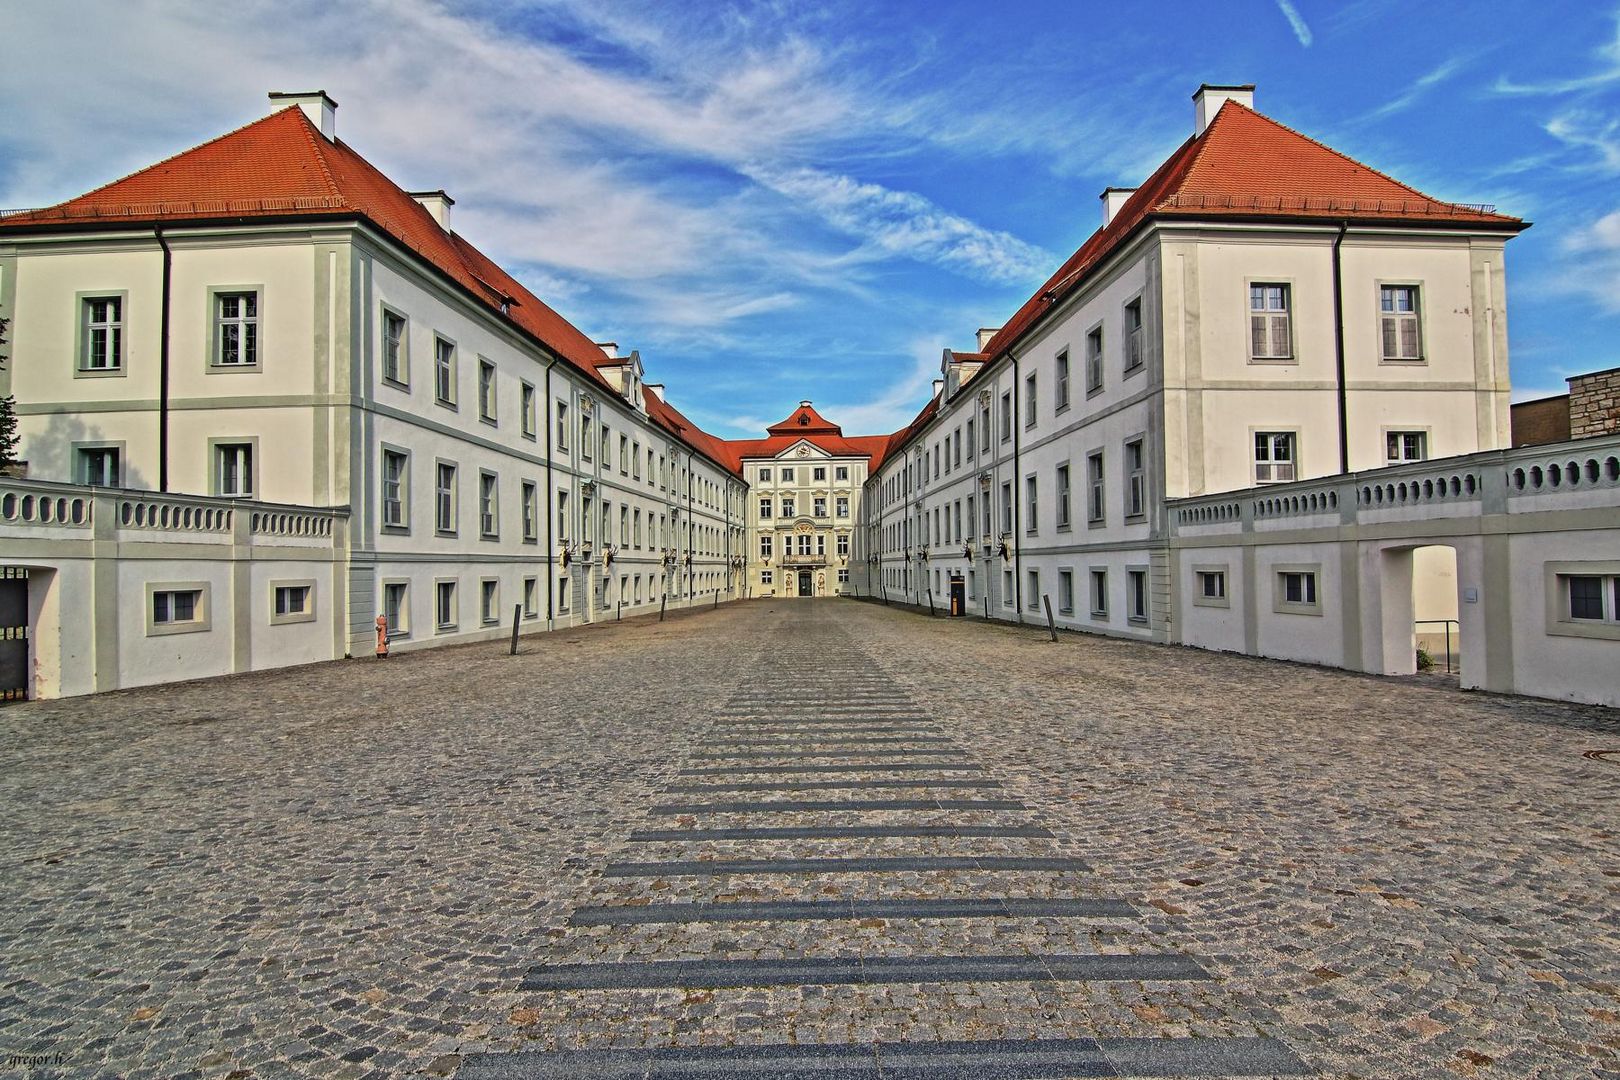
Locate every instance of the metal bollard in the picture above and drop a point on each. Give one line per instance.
(517, 615)
(1051, 627)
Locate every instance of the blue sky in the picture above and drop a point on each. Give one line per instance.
(778, 200)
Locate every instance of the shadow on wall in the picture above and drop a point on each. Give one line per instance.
(50, 453)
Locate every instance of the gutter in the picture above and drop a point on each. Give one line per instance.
(163, 362)
(1016, 493)
(1338, 354)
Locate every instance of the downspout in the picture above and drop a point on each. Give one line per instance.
(1016, 495)
(1338, 354)
(551, 510)
(691, 533)
(163, 363)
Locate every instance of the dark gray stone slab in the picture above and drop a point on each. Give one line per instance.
(1010, 1059)
(827, 785)
(823, 738)
(848, 971)
(1203, 1057)
(838, 832)
(891, 864)
(783, 806)
(855, 752)
(806, 910)
(901, 766)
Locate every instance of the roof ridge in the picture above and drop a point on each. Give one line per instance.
(172, 157)
(318, 143)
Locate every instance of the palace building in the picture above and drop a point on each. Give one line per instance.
(272, 402)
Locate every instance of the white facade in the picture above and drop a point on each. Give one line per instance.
(802, 508)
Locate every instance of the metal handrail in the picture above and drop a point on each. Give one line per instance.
(1448, 624)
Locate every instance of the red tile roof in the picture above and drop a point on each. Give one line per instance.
(281, 166)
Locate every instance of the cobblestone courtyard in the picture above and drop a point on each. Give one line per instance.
(876, 844)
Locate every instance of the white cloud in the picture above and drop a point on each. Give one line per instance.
(1608, 72)
(907, 224)
(1295, 21)
(1419, 87)
(1595, 134)
(1593, 263)
(895, 405)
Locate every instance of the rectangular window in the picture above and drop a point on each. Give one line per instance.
(445, 605)
(1099, 593)
(1273, 457)
(233, 469)
(984, 429)
(765, 505)
(236, 329)
(1096, 501)
(1006, 417)
(1133, 335)
(607, 447)
(529, 421)
(1589, 600)
(1066, 591)
(819, 507)
(394, 342)
(789, 507)
(1135, 480)
(292, 600)
(843, 576)
(1032, 594)
(531, 597)
(1212, 584)
(1060, 381)
(1296, 591)
(444, 372)
(1137, 595)
(1398, 322)
(787, 476)
(766, 546)
(172, 607)
(973, 520)
(394, 466)
(1031, 505)
(395, 609)
(818, 473)
(635, 460)
(970, 443)
(98, 466)
(841, 472)
(489, 600)
(1094, 361)
(842, 506)
(766, 577)
(1270, 322)
(444, 498)
(1007, 597)
(486, 391)
(1403, 446)
(586, 441)
(843, 544)
(531, 511)
(1006, 509)
(1063, 496)
(103, 348)
(562, 516)
(804, 543)
(562, 426)
(1030, 409)
(765, 476)
(625, 456)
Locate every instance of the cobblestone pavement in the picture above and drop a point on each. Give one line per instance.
(1090, 858)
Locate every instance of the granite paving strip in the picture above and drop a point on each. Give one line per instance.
(829, 785)
(784, 806)
(854, 908)
(834, 727)
(837, 832)
(824, 739)
(732, 770)
(748, 754)
(857, 865)
(1004, 1059)
(712, 974)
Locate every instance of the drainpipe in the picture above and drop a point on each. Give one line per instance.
(1017, 505)
(551, 508)
(1338, 353)
(163, 364)
(691, 534)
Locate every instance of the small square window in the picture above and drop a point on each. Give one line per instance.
(293, 602)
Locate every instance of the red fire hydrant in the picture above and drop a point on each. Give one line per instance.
(382, 637)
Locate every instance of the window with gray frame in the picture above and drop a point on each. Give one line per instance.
(1096, 501)
(1133, 335)
(395, 360)
(490, 600)
(233, 469)
(394, 607)
(531, 511)
(1066, 591)
(1063, 495)
(444, 498)
(1094, 361)
(1404, 446)
(103, 347)
(1270, 322)
(1099, 592)
(1401, 335)
(1274, 457)
(236, 329)
(1137, 594)
(394, 466)
(444, 371)
(486, 391)
(1031, 505)
(1060, 381)
(99, 466)
(1135, 479)
(445, 605)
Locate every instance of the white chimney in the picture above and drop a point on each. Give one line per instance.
(1112, 200)
(436, 203)
(1209, 99)
(609, 348)
(321, 110)
(985, 334)
(655, 388)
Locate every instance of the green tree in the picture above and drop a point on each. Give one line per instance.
(8, 415)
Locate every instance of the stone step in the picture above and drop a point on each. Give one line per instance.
(808, 910)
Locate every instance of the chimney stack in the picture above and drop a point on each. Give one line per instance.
(1210, 97)
(1112, 199)
(985, 334)
(436, 203)
(610, 349)
(321, 110)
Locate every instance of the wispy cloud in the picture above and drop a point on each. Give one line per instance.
(891, 407)
(906, 224)
(1295, 21)
(1595, 134)
(1592, 268)
(1606, 74)
(1418, 88)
